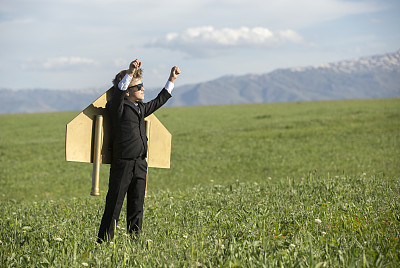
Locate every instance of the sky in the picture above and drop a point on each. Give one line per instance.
(80, 44)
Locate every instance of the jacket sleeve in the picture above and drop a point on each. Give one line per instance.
(152, 106)
(116, 106)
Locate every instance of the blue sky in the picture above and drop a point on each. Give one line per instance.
(78, 44)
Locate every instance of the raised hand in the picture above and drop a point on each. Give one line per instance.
(175, 71)
(134, 66)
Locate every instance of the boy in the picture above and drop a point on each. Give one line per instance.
(129, 148)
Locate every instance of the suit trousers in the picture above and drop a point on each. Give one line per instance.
(127, 177)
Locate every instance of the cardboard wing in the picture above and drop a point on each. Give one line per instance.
(80, 136)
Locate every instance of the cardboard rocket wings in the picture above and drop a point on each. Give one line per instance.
(88, 138)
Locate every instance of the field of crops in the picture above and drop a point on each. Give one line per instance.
(288, 184)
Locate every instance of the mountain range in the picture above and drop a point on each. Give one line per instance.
(362, 78)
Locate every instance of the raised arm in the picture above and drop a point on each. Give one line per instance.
(133, 71)
(164, 95)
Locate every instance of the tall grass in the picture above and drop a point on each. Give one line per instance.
(338, 221)
(292, 184)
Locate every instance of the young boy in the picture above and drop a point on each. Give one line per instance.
(129, 148)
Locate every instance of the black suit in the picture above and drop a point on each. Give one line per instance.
(128, 167)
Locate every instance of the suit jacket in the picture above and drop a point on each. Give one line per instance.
(128, 126)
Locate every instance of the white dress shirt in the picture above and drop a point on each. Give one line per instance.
(124, 83)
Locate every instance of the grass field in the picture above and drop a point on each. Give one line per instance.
(288, 184)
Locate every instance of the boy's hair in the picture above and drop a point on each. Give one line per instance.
(121, 74)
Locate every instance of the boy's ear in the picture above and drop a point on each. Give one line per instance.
(127, 93)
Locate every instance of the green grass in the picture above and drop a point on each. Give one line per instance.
(246, 184)
(219, 143)
(274, 223)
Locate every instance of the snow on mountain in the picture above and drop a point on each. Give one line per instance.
(388, 61)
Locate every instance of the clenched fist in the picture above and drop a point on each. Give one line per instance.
(175, 71)
(134, 67)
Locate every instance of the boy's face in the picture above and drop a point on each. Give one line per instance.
(134, 93)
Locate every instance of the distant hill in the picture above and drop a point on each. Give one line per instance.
(362, 78)
(46, 100)
(370, 77)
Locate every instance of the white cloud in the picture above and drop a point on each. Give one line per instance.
(202, 41)
(59, 63)
(62, 62)
(17, 21)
